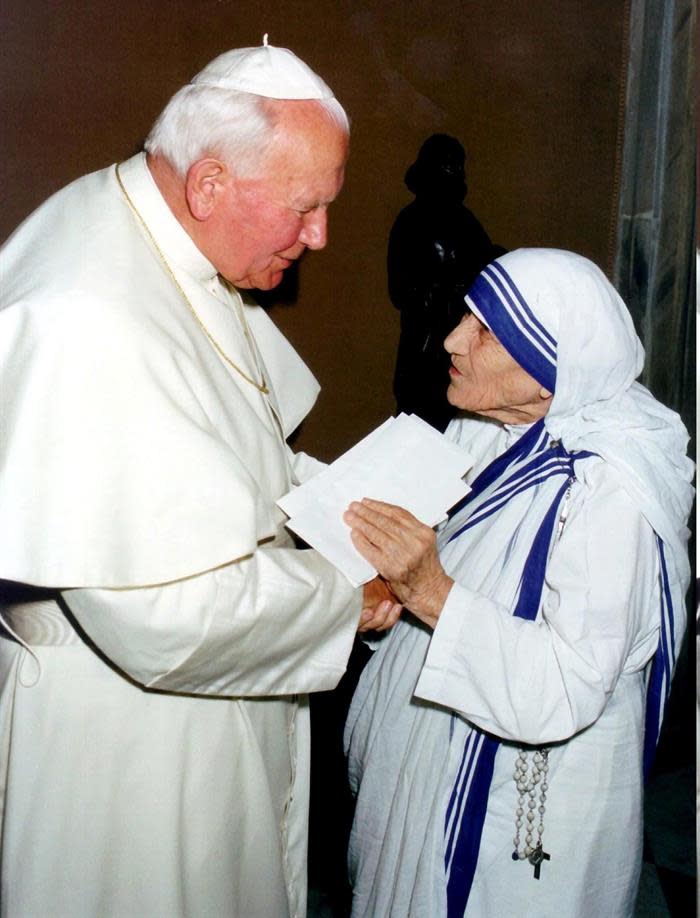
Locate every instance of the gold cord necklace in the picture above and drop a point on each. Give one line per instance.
(261, 386)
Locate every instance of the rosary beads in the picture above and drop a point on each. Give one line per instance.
(531, 784)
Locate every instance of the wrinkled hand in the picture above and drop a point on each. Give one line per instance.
(404, 551)
(380, 608)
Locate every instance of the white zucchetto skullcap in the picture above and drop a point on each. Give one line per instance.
(276, 73)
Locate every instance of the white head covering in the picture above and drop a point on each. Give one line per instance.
(276, 73)
(563, 321)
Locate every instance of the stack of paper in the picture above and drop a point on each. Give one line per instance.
(404, 461)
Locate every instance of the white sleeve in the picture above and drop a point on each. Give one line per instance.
(542, 681)
(304, 466)
(279, 622)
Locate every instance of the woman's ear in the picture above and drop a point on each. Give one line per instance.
(205, 182)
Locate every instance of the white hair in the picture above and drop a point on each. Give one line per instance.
(238, 127)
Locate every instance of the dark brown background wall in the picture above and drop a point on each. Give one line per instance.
(530, 87)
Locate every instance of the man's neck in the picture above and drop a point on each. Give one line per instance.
(172, 188)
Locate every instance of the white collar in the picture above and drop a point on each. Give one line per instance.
(515, 432)
(173, 240)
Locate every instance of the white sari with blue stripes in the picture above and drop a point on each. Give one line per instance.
(573, 678)
(561, 630)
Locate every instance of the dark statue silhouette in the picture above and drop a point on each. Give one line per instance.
(436, 249)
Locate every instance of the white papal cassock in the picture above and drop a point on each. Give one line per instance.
(155, 730)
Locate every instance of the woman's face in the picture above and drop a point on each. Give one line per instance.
(486, 380)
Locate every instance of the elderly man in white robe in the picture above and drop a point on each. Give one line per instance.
(499, 736)
(160, 627)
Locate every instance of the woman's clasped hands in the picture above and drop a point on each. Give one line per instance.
(404, 552)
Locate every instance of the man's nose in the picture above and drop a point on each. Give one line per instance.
(314, 233)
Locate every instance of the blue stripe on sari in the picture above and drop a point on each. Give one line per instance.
(533, 475)
(521, 313)
(533, 320)
(662, 667)
(463, 866)
(533, 356)
(464, 840)
(458, 791)
(526, 444)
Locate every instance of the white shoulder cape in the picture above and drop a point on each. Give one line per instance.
(115, 467)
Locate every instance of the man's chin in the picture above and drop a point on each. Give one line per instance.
(265, 280)
(268, 281)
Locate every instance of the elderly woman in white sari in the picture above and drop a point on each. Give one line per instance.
(499, 736)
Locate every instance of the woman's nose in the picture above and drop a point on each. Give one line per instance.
(456, 339)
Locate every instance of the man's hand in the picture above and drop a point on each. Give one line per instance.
(380, 608)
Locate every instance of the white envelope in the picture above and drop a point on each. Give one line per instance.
(404, 461)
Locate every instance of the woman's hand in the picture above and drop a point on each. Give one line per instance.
(404, 552)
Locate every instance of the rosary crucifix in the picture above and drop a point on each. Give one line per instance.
(536, 858)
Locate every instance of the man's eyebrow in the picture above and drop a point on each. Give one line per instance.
(306, 208)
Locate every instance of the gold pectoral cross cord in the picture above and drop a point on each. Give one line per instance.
(260, 386)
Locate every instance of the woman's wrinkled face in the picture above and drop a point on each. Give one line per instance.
(486, 380)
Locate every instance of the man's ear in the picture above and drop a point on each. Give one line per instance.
(205, 183)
